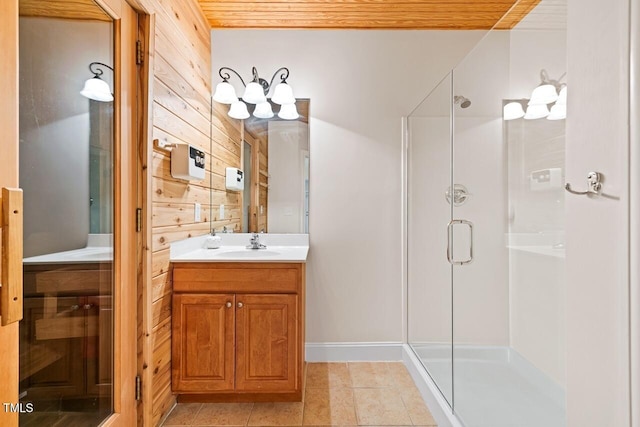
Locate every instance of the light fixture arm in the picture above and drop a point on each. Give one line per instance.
(283, 77)
(282, 73)
(545, 80)
(226, 76)
(94, 68)
(262, 82)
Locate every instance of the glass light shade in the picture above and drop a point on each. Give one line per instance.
(238, 110)
(558, 112)
(512, 111)
(288, 112)
(225, 93)
(97, 89)
(283, 94)
(254, 94)
(263, 111)
(543, 95)
(562, 98)
(536, 112)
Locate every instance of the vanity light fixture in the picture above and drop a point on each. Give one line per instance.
(238, 111)
(288, 112)
(256, 93)
(95, 88)
(263, 110)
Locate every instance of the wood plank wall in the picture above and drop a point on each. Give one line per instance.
(180, 112)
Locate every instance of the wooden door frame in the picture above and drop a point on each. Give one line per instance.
(254, 196)
(146, 35)
(124, 295)
(9, 178)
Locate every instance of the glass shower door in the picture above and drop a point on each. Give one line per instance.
(507, 279)
(429, 273)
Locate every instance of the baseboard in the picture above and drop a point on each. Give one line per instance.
(353, 351)
(438, 406)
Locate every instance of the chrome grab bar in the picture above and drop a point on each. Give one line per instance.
(450, 233)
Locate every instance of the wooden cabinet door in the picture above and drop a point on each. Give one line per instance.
(203, 342)
(52, 347)
(99, 318)
(266, 342)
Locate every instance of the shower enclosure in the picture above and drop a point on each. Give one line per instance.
(485, 245)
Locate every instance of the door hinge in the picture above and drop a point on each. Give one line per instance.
(138, 387)
(138, 220)
(139, 52)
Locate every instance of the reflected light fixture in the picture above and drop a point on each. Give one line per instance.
(256, 93)
(512, 110)
(559, 110)
(538, 111)
(547, 91)
(95, 88)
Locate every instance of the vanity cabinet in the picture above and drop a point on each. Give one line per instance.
(238, 331)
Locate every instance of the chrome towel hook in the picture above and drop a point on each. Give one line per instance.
(594, 184)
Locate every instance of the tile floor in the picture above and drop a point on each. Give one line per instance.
(345, 394)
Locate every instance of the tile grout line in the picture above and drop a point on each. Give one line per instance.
(193, 421)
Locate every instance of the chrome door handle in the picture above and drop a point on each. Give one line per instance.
(450, 233)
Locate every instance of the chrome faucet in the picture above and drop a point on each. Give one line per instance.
(255, 242)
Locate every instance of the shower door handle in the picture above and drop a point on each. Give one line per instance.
(450, 234)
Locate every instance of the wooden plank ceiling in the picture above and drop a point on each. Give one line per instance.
(64, 9)
(367, 14)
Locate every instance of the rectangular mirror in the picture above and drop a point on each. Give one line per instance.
(275, 164)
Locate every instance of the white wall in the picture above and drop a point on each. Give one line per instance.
(360, 84)
(597, 227)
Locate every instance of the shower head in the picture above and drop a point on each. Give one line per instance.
(464, 102)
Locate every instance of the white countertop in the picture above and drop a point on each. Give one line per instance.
(98, 249)
(280, 248)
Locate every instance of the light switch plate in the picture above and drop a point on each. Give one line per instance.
(197, 213)
(221, 211)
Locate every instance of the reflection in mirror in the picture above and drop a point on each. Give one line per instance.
(66, 172)
(275, 159)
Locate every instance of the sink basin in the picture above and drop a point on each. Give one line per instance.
(250, 253)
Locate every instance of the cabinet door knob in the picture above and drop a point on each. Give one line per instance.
(229, 304)
(88, 306)
(240, 305)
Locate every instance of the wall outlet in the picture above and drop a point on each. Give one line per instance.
(197, 213)
(221, 212)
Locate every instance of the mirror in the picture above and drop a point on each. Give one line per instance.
(67, 146)
(275, 163)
